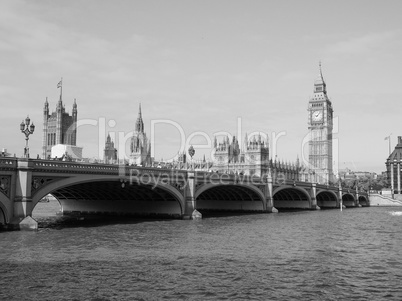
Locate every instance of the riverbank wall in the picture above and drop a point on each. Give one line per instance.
(386, 201)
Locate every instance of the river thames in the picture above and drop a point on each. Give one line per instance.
(354, 254)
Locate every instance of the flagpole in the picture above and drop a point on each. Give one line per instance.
(389, 143)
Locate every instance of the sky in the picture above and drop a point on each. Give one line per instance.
(201, 68)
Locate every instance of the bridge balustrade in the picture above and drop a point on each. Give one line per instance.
(52, 165)
(8, 162)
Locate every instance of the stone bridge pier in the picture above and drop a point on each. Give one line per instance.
(269, 200)
(189, 196)
(20, 205)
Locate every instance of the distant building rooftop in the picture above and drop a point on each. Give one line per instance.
(4, 153)
(396, 155)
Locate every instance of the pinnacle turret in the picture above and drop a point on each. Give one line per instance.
(140, 146)
(46, 107)
(139, 125)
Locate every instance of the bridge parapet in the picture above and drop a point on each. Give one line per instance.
(225, 178)
(74, 167)
(8, 163)
(78, 167)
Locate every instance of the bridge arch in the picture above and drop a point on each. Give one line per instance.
(291, 197)
(4, 213)
(229, 197)
(327, 199)
(348, 200)
(91, 194)
(363, 200)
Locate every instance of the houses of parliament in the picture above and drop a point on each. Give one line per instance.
(59, 128)
(252, 157)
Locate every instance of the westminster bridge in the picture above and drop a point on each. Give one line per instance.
(83, 188)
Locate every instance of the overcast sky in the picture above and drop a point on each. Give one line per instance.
(204, 65)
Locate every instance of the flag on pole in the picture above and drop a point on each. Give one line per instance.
(386, 138)
(59, 84)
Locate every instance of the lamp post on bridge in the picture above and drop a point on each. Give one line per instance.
(27, 129)
(191, 152)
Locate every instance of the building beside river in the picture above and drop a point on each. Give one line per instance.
(60, 132)
(320, 125)
(140, 147)
(394, 165)
(253, 159)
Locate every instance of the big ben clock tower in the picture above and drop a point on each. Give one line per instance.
(320, 126)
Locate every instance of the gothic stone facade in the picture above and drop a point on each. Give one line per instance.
(59, 127)
(140, 147)
(320, 125)
(253, 159)
(394, 165)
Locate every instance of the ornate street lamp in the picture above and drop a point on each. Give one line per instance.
(191, 152)
(27, 130)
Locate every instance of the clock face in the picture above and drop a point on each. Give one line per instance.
(317, 116)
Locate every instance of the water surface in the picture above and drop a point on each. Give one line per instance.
(355, 254)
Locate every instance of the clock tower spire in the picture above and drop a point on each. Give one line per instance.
(320, 125)
(319, 84)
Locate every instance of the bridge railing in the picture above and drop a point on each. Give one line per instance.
(72, 166)
(8, 162)
(227, 178)
(118, 169)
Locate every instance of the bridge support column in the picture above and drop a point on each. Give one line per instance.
(190, 211)
(357, 198)
(340, 203)
(313, 194)
(269, 200)
(22, 211)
